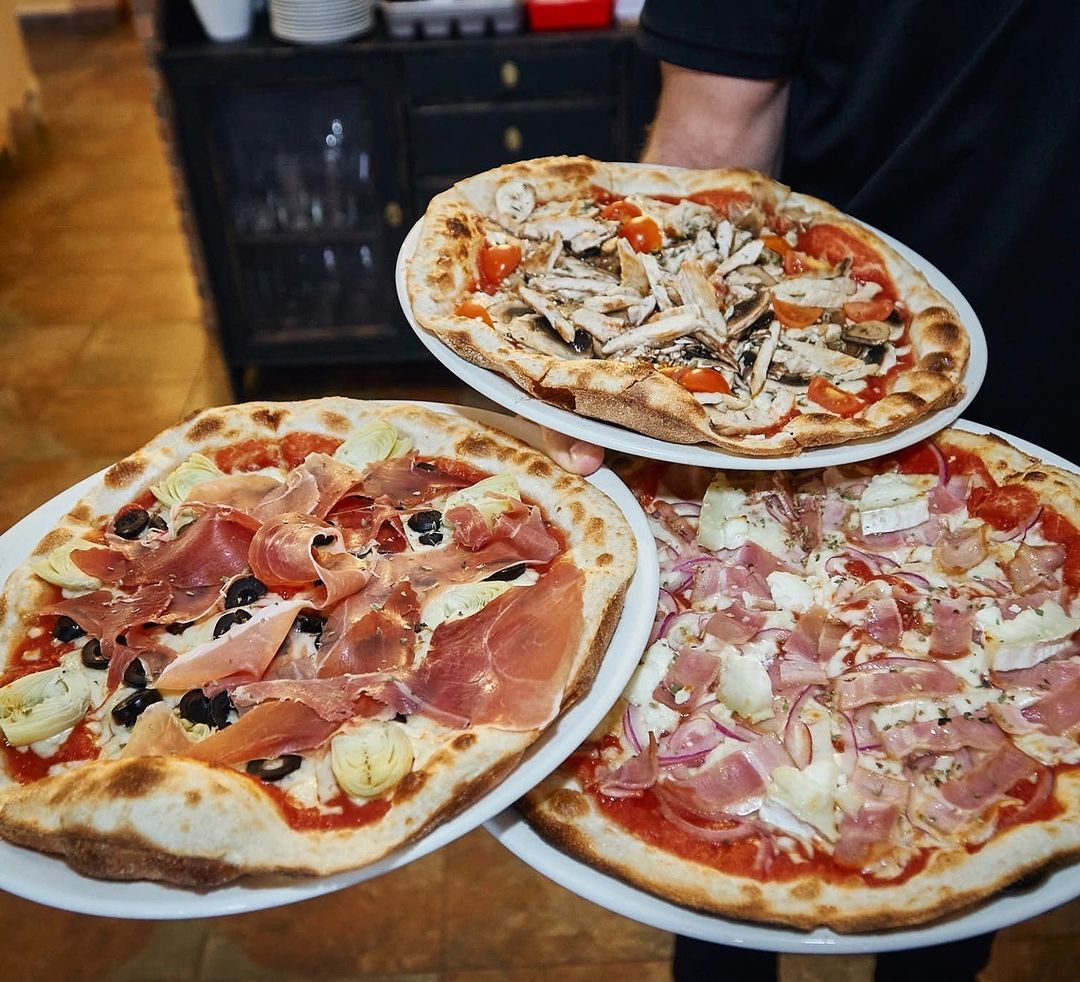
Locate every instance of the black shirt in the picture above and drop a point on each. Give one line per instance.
(953, 125)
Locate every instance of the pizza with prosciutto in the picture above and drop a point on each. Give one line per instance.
(860, 706)
(291, 637)
(692, 306)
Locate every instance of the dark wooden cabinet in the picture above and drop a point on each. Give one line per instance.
(305, 167)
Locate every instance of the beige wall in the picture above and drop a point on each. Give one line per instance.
(64, 6)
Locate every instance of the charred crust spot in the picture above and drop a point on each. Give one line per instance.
(572, 170)
(270, 418)
(456, 227)
(564, 483)
(945, 334)
(3, 607)
(577, 512)
(940, 362)
(604, 559)
(57, 537)
(464, 741)
(539, 468)
(595, 528)
(479, 446)
(80, 513)
(807, 890)
(193, 797)
(568, 804)
(137, 779)
(410, 785)
(335, 421)
(124, 472)
(1035, 476)
(751, 893)
(206, 427)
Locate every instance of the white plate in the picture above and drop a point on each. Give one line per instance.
(508, 395)
(607, 891)
(48, 880)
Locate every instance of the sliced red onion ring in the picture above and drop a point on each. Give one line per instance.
(629, 726)
(877, 562)
(916, 580)
(1000, 587)
(741, 829)
(736, 732)
(687, 509)
(1020, 531)
(689, 618)
(942, 463)
(796, 741)
(688, 758)
(660, 629)
(775, 507)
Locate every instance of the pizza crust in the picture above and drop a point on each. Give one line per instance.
(196, 824)
(440, 273)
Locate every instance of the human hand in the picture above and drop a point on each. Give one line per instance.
(576, 456)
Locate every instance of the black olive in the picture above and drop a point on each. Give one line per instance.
(274, 768)
(323, 539)
(179, 627)
(66, 629)
(126, 711)
(195, 707)
(220, 707)
(510, 573)
(121, 639)
(401, 718)
(894, 318)
(132, 523)
(159, 523)
(135, 675)
(92, 656)
(874, 355)
(226, 621)
(309, 622)
(423, 465)
(244, 591)
(431, 538)
(582, 341)
(425, 521)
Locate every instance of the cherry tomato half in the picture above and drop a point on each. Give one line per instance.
(620, 211)
(642, 233)
(795, 315)
(829, 397)
(868, 310)
(496, 263)
(778, 244)
(470, 308)
(698, 379)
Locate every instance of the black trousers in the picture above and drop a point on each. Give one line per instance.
(959, 961)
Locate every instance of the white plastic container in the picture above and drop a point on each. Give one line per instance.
(224, 20)
(406, 19)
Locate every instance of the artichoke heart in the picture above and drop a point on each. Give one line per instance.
(372, 759)
(175, 488)
(36, 707)
(488, 496)
(463, 600)
(57, 567)
(376, 441)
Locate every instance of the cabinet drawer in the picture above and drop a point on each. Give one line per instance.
(474, 138)
(449, 77)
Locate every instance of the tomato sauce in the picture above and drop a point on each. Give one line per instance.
(289, 452)
(304, 819)
(26, 766)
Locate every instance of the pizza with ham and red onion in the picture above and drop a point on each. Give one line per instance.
(860, 706)
(692, 306)
(291, 637)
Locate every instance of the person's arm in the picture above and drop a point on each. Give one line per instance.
(705, 120)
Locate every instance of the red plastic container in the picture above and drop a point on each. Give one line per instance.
(568, 15)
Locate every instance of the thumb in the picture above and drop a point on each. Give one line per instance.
(576, 456)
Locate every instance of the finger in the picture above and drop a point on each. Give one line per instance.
(576, 456)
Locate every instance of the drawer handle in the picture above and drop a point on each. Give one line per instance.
(510, 74)
(393, 214)
(512, 139)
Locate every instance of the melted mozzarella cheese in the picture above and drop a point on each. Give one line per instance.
(647, 676)
(744, 686)
(895, 501)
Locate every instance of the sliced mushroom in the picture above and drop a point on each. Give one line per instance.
(657, 332)
(754, 274)
(867, 332)
(764, 359)
(743, 256)
(596, 324)
(542, 305)
(746, 314)
(514, 201)
(531, 331)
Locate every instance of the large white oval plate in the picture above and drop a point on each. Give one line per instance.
(607, 891)
(48, 880)
(501, 390)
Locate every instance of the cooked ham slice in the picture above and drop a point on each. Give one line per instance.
(953, 630)
(633, 776)
(508, 665)
(790, 673)
(959, 551)
(692, 673)
(989, 780)
(947, 498)
(866, 833)
(941, 738)
(889, 684)
(1058, 712)
(803, 642)
(735, 624)
(239, 656)
(1047, 676)
(883, 622)
(1034, 566)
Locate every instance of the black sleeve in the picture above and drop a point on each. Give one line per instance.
(752, 39)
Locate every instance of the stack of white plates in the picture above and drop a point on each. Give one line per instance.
(320, 21)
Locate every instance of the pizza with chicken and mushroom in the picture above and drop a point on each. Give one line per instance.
(291, 637)
(860, 706)
(692, 306)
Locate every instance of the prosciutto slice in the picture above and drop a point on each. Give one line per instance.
(521, 525)
(508, 665)
(338, 699)
(239, 656)
(269, 730)
(410, 482)
(380, 641)
(240, 491)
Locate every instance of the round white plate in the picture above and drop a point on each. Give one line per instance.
(506, 394)
(48, 880)
(998, 912)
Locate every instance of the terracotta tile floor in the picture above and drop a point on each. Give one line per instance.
(101, 346)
